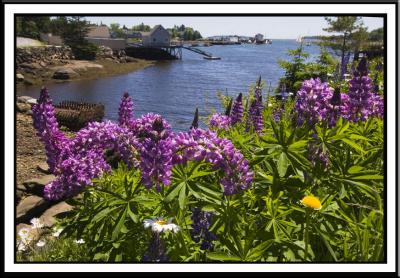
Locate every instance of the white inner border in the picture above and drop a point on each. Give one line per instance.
(11, 9)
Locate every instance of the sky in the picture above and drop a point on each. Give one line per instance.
(270, 27)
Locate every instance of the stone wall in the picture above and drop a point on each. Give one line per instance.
(42, 54)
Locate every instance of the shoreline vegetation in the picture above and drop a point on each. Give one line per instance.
(299, 178)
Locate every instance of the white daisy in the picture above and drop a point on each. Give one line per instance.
(159, 225)
(57, 232)
(80, 241)
(41, 243)
(36, 224)
(21, 246)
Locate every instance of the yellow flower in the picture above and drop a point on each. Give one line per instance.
(311, 202)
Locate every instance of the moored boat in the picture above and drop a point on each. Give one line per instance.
(212, 58)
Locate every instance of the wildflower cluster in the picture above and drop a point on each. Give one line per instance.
(84, 159)
(201, 222)
(44, 121)
(235, 115)
(125, 112)
(316, 101)
(156, 250)
(26, 236)
(146, 142)
(317, 156)
(220, 121)
(363, 102)
(237, 110)
(205, 145)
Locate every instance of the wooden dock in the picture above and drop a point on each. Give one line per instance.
(172, 52)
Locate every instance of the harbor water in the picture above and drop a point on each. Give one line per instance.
(175, 88)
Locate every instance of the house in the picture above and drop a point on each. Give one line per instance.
(98, 32)
(100, 35)
(157, 37)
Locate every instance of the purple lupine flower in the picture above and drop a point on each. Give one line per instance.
(125, 113)
(362, 101)
(277, 114)
(313, 102)
(201, 223)
(84, 159)
(237, 110)
(254, 115)
(143, 126)
(149, 139)
(156, 250)
(220, 121)
(155, 147)
(317, 156)
(45, 122)
(201, 145)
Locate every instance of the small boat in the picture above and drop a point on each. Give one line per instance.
(212, 58)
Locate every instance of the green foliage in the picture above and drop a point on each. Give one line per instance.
(265, 223)
(184, 33)
(56, 250)
(32, 26)
(85, 51)
(141, 28)
(73, 31)
(298, 69)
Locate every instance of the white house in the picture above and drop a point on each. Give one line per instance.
(157, 37)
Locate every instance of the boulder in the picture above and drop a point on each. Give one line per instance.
(20, 77)
(31, 66)
(23, 107)
(65, 73)
(31, 101)
(30, 207)
(23, 99)
(43, 167)
(48, 217)
(36, 185)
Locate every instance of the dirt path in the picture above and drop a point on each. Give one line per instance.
(30, 151)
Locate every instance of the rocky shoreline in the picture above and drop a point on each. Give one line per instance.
(50, 64)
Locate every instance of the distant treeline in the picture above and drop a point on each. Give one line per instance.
(180, 32)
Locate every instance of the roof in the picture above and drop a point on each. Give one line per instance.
(155, 28)
(98, 32)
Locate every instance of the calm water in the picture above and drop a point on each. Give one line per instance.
(175, 88)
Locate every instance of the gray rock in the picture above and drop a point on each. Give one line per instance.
(36, 185)
(65, 73)
(48, 217)
(30, 207)
(31, 101)
(31, 66)
(43, 167)
(23, 107)
(23, 99)
(20, 77)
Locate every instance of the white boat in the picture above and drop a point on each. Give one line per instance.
(211, 58)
